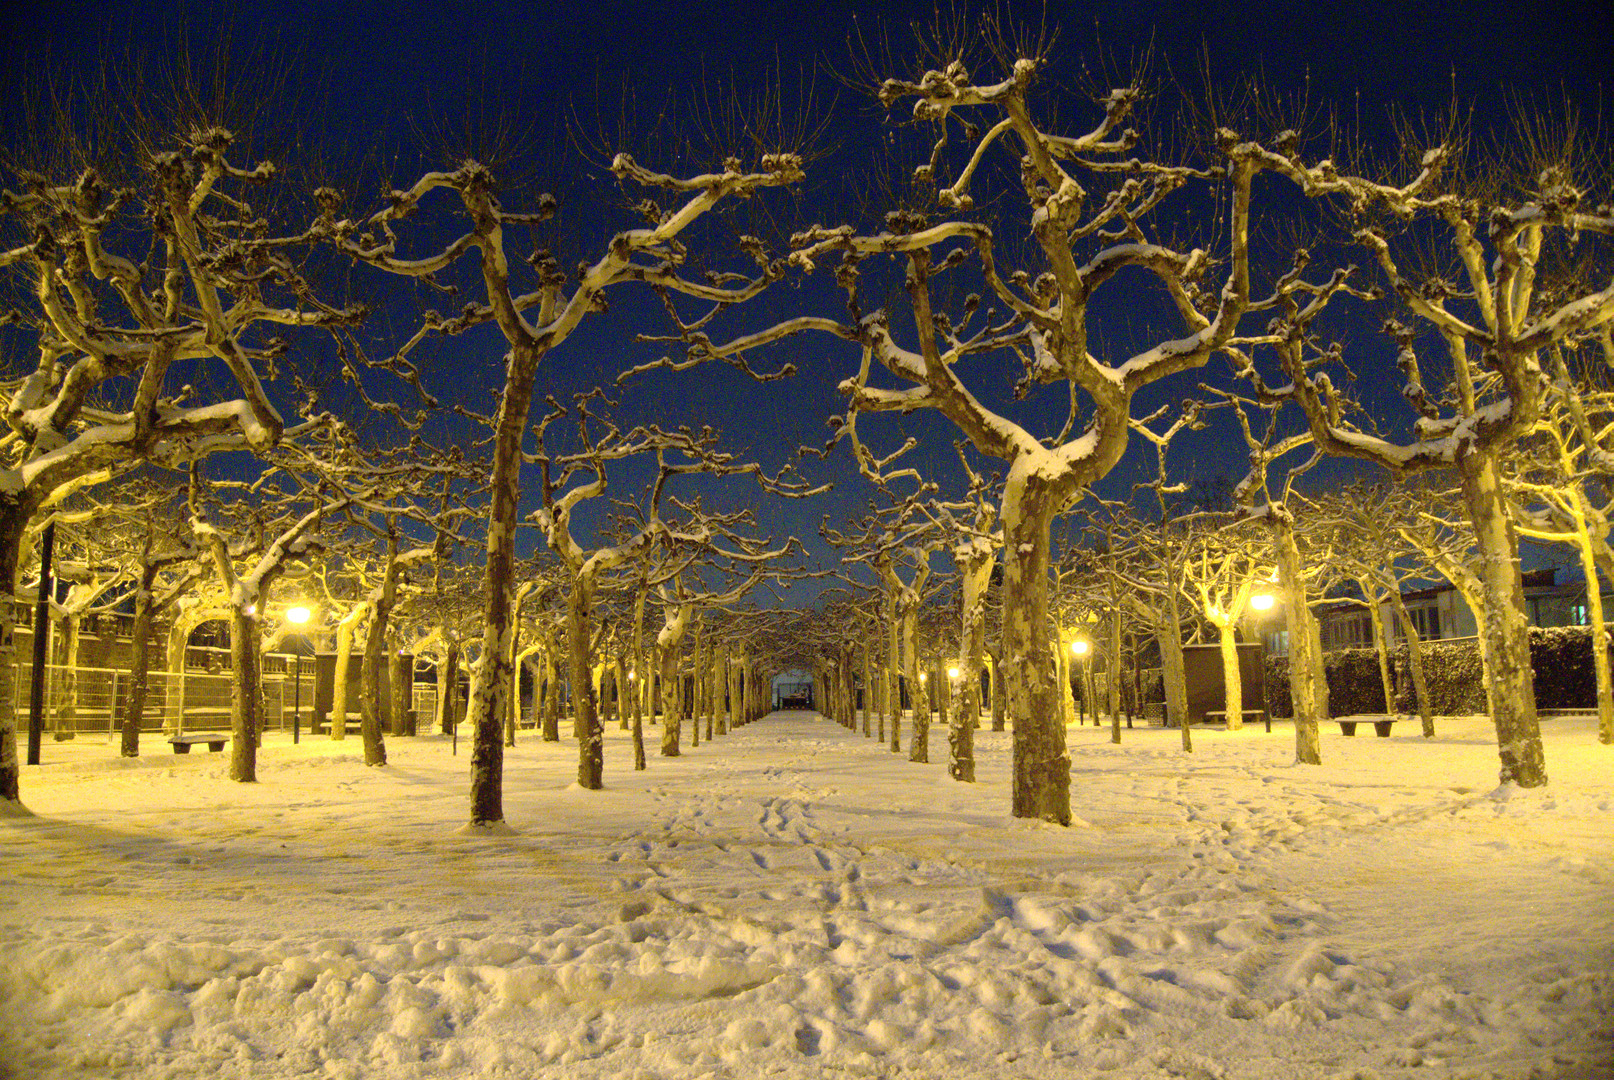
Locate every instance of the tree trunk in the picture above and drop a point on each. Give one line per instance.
(1506, 629)
(999, 701)
(1595, 621)
(1114, 671)
(919, 744)
(490, 679)
(1232, 677)
(1168, 634)
(400, 685)
(893, 647)
(448, 677)
(1041, 767)
(246, 698)
(1303, 672)
(1381, 644)
(1420, 686)
(1062, 658)
(344, 652)
(512, 709)
(551, 693)
(66, 711)
(619, 691)
(590, 750)
(139, 687)
(672, 700)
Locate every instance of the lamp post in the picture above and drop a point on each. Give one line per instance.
(1078, 650)
(298, 615)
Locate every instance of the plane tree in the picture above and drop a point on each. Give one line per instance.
(1479, 274)
(1369, 547)
(153, 300)
(1101, 208)
(536, 305)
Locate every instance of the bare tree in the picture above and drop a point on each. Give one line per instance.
(1090, 201)
(1489, 306)
(130, 290)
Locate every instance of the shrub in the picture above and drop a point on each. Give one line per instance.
(1275, 686)
(1354, 685)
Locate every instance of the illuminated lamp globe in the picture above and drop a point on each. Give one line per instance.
(1079, 648)
(952, 673)
(298, 614)
(1261, 601)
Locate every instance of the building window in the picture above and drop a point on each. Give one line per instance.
(1278, 643)
(1427, 620)
(1578, 615)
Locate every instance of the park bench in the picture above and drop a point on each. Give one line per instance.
(1219, 716)
(352, 722)
(215, 741)
(1381, 728)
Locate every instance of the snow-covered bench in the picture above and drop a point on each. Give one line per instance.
(1381, 728)
(215, 741)
(1219, 716)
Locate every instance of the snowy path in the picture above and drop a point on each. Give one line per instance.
(796, 901)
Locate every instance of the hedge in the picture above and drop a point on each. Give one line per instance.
(1561, 657)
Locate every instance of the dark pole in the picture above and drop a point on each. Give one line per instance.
(297, 707)
(36, 689)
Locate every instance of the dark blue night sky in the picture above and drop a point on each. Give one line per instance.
(369, 75)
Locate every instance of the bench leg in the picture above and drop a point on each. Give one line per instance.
(1348, 727)
(1381, 728)
(215, 747)
(182, 748)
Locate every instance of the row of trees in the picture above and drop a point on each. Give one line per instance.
(1486, 283)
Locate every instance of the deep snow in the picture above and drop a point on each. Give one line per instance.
(793, 900)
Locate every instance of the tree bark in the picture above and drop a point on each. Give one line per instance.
(1420, 686)
(134, 702)
(551, 693)
(448, 677)
(1232, 677)
(919, 743)
(246, 698)
(1041, 767)
(1303, 672)
(400, 685)
(343, 660)
(1506, 628)
(590, 750)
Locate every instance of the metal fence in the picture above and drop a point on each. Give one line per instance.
(91, 701)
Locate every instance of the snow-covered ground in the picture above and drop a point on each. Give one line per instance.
(795, 901)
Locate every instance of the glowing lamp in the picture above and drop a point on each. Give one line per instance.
(952, 673)
(1261, 601)
(298, 614)
(1079, 648)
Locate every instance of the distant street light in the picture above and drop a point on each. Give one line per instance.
(1079, 647)
(1261, 601)
(952, 673)
(298, 614)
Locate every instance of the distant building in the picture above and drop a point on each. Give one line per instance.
(1440, 612)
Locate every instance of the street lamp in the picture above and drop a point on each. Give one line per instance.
(1079, 647)
(1261, 601)
(299, 615)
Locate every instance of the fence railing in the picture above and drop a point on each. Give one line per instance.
(91, 700)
